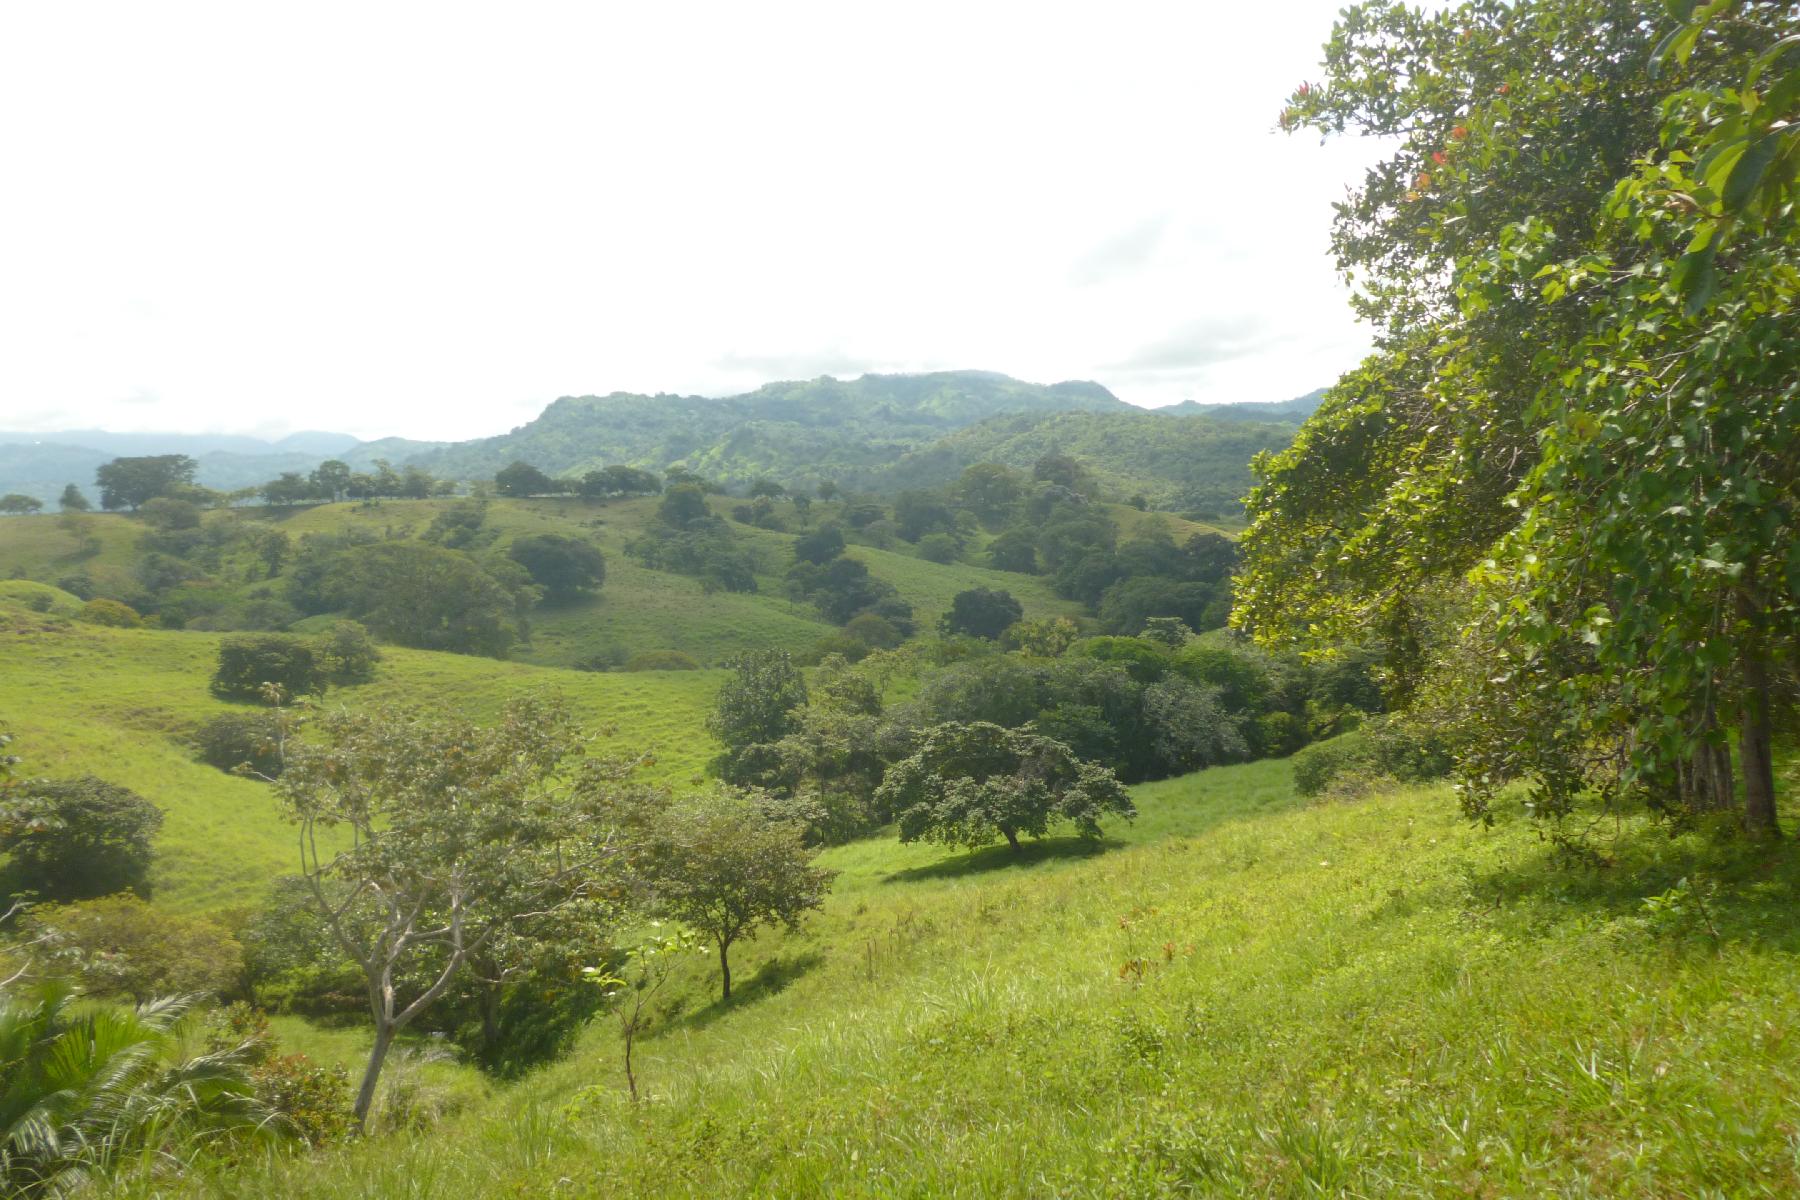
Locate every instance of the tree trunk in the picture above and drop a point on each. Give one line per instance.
(1012, 839)
(724, 971)
(1755, 754)
(490, 1016)
(630, 1079)
(365, 1095)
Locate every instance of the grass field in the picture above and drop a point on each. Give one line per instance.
(1240, 995)
(120, 703)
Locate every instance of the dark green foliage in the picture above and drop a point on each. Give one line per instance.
(1014, 550)
(130, 482)
(682, 505)
(820, 546)
(1146, 660)
(523, 479)
(101, 611)
(564, 567)
(619, 481)
(243, 739)
(755, 708)
(874, 631)
(346, 654)
(843, 588)
(459, 526)
(19, 504)
(72, 500)
(968, 784)
(704, 549)
(1127, 606)
(248, 663)
(918, 513)
(426, 596)
(939, 548)
(75, 839)
(982, 612)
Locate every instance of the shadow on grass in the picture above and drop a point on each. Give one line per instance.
(1000, 857)
(1704, 887)
(771, 979)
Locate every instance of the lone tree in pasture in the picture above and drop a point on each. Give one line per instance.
(73, 501)
(563, 566)
(523, 479)
(982, 612)
(720, 865)
(18, 504)
(458, 836)
(129, 482)
(968, 784)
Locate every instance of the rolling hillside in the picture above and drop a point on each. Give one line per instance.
(1238, 995)
(121, 703)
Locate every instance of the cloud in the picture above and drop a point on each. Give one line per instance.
(1120, 254)
(1201, 343)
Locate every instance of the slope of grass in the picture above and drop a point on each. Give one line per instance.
(1239, 995)
(47, 548)
(120, 704)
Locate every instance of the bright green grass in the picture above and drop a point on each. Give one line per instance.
(1368, 999)
(119, 704)
(44, 549)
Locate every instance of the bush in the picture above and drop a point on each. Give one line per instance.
(982, 612)
(74, 839)
(110, 613)
(564, 567)
(660, 660)
(842, 644)
(231, 740)
(246, 664)
(1317, 766)
(938, 548)
(874, 632)
(346, 654)
(314, 1100)
(124, 946)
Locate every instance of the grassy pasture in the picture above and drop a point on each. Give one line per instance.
(121, 703)
(1239, 995)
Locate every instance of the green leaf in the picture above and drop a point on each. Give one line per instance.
(1748, 173)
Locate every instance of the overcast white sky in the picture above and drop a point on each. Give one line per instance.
(432, 219)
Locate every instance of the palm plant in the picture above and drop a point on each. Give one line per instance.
(84, 1091)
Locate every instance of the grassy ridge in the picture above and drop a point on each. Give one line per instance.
(1367, 999)
(120, 703)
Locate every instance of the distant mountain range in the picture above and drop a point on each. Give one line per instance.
(41, 464)
(879, 432)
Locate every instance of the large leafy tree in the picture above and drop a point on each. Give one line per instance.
(429, 597)
(758, 706)
(460, 837)
(128, 482)
(1562, 493)
(968, 784)
(563, 566)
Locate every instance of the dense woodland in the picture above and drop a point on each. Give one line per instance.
(825, 789)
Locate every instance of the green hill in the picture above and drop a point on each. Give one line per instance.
(1194, 463)
(797, 433)
(121, 703)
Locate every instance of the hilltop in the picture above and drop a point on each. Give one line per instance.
(798, 433)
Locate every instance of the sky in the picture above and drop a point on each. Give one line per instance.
(431, 220)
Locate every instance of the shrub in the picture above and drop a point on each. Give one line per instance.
(231, 740)
(110, 613)
(874, 632)
(841, 644)
(311, 1099)
(564, 567)
(346, 654)
(938, 548)
(73, 839)
(1318, 765)
(982, 612)
(660, 660)
(122, 945)
(246, 664)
